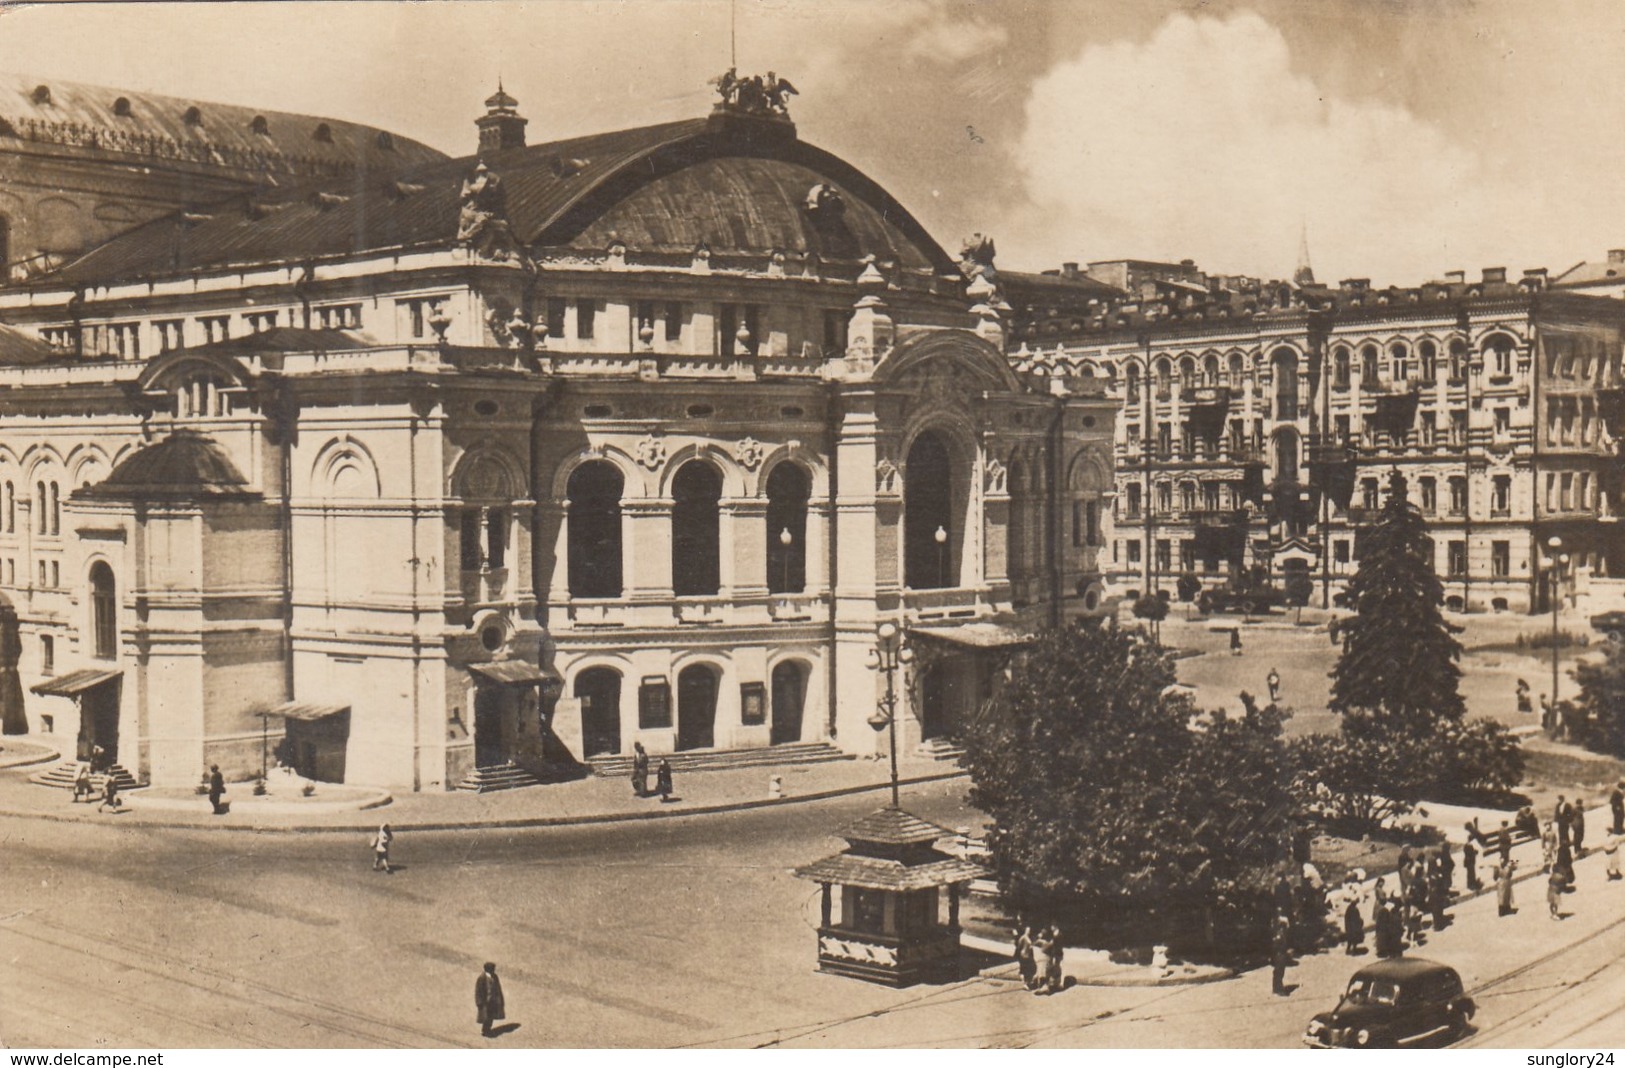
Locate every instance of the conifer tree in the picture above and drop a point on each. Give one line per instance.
(1399, 657)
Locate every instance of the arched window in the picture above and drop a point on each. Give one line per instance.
(193, 117)
(789, 697)
(1401, 357)
(1210, 371)
(56, 507)
(260, 126)
(788, 488)
(928, 522)
(1286, 384)
(1131, 377)
(599, 691)
(1340, 368)
(1458, 360)
(103, 611)
(42, 521)
(1163, 371)
(1368, 365)
(1238, 371)
(696, 490)
(1187, 374)
(1286, 455)
(595, 530)
(1498, 354)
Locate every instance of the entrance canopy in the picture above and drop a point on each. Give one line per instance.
(515, 672)
(976, 635)
(304, 710)
(75, 683)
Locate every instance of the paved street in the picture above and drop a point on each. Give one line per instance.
(688, 931)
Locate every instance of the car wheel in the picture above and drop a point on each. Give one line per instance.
(1458, 1024)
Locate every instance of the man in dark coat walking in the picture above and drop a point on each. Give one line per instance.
(217, 788)
(640, 771)
(1616, 804)
(488, 999)
(1503, 843)
(1469, 861)
(1280, 953)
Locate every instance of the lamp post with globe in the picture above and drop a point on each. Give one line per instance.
(890, 652)
(785, 540)
(941, 538)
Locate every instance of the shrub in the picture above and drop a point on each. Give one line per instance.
(1189, 586)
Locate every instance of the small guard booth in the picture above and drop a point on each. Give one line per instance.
(890, 928)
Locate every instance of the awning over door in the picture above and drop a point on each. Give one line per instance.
(304, 710)
(75, 683)
(515, 672)
(976, 635)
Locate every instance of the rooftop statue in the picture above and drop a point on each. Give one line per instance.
(482, 222)
(754, 95)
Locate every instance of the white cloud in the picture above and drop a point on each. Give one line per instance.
(1202, 141)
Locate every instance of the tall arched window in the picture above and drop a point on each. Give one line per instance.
(599, 691)
(1163, 372)
(42, 521)
(1427, 353)
(1458, 359)
(1286, 455)
(696, 490)
(594, 491)
(1238, 371)
(1187, 374)
(1498, 354)
(1210, 371)
(1401, 357)
(928, 522)
(1016, 554)
(1368, 365)
(56, 507)
(1340, 368)
(788, 488)
(103, 611)
(1286, 384)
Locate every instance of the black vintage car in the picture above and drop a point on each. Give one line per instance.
(1399, 1002)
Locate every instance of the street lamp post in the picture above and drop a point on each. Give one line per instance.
(889, 653)
(941, 537)
(1559, 560)
(785, 540)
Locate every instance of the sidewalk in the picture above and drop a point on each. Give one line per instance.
(588, 800)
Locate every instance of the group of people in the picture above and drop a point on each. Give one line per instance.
(1039, 955)
(640, 774)
(84, 789)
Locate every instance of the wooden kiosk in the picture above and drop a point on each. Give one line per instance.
(890, 928)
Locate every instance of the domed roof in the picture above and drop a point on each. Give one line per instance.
(184, 466)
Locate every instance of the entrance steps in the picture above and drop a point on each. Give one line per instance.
(940, 749)
(63, 774)
(498, 777)
(619, 766)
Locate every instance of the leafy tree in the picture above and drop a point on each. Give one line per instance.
(1399, 655)
(1153, 609)
(1602, 700)
(1120, 811)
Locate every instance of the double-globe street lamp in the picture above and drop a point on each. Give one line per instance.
(1557, 561)
(890, 652)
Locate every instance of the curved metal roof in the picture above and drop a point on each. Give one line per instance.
(184, 466)
(735, 185)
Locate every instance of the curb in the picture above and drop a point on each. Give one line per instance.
(30, 761)
(1003, 949)
(517, 823)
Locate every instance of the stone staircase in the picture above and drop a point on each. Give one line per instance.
(63, 774)
(940, 749)
(618, 766)
(498, 777)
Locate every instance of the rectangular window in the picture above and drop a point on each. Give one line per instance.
(56, 574)
(1500, 559)
(171, 334)
(1566, 492)
(1134, 502)
(472, 559)
(496, 539)
(260, 322)
(1430, 428)
(1501, 496)
(1456, 560)
(674, 321)
(556, 307)
(1343, 434)
(586, 318)
(1458, 495)
(344, 317)
(47, 654)
(1077, 524)
(1340, 551)
(1165, 498)
(1091, 522)
(654, 704)
(1503, 423)
(1430, 494)
(1458, 428)
(1165, 554)
(835, 324)
(414, 313)
(1582, 497)
(1551, 492)
(1368, 494)
(1165, 439)
(1133, 551)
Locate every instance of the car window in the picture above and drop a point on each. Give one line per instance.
(1373, 991)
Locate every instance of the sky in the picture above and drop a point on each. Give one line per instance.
(1403, 138)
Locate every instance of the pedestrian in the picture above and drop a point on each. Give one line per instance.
(1274, 681)
(1616, 805)
(1389, 936)
(83, 789)
(640, 771)
(1447, 867)
(1353, 926)
(1280, 953)
(110, 798)
(380, 849)
(1416, 905)
(1054, 954)
(1610, 846)
(663, 780)
(1503, 842)
(1332, 629)
(1554, 894)
(1548, 846)
(1563, 816)
(1235, 641)
(1524, 704)
(1439, 897)
(1469, 862)
(1548, 721)
(488, 1000)
(1025, 961)
(1503, 887)
(1403, 872)
(1577, 826)
(217, 788)
(1565, 864)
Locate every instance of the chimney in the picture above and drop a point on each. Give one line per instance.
(501, 127)
(1534, 278)
(1616, 255)
(1354, 285)
(1455, 277)
(1069, 270)
(1494, 275)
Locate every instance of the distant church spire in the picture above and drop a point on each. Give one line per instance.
(1305, 274)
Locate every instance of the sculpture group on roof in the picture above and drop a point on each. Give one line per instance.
(482, 222)
(755, 95)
